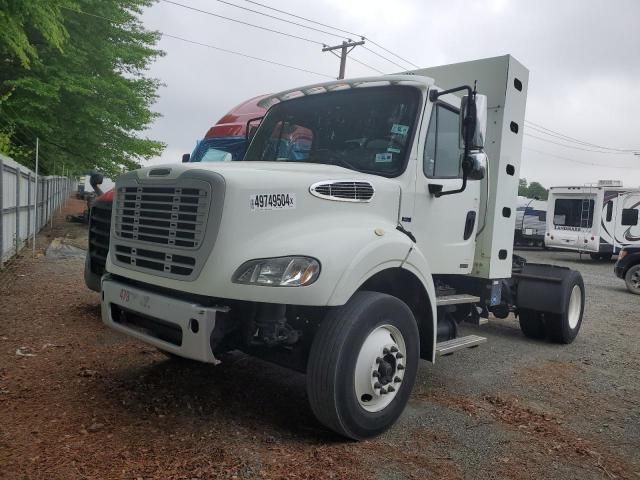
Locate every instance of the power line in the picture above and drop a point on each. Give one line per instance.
(264, 28)
(577, 148)
(364, 37)
(575, 140)
(278, 18)
(354, 59)
(394, 54)
(579, 161)
(384, 58)
(303, 18)
(175, 37)
(244, 55)
(245, 23)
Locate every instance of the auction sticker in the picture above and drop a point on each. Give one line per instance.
(272, 201)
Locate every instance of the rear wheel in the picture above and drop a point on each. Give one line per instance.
(362, 365)
(564, 327)
(632, 279)
(532, 324)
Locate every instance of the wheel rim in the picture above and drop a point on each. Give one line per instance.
(380, 368)
(634, 279)
(575, 306)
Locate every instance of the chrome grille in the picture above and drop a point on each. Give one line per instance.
(170, 216)
(155, 260)
(354, 191)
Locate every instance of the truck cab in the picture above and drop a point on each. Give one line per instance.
(368, 218)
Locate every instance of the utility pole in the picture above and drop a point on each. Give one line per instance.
(345, 48)
(35, 206)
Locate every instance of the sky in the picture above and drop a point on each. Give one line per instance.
(583, 57)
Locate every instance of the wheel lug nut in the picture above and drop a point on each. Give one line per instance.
(393, 349)
(383, 391)
(391, 389)
(400, 367)
(385, 351)
(377, 385)
(376, 374)
(397, 380)
(399, 355)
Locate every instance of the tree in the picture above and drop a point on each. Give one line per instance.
(532, 190)
(536, 190)
(26, 22)
(523, 187)
(87, 97)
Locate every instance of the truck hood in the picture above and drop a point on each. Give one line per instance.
(244, 180)
(291, 221)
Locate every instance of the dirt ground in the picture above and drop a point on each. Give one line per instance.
(78, 401)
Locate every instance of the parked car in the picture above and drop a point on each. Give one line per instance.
(628, 268)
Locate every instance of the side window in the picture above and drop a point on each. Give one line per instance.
(609, 210)
(442, 150)
(629, 216)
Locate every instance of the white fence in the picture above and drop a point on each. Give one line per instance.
(17, 204)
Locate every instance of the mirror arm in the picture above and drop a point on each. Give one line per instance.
(433, 96)
(248, 127)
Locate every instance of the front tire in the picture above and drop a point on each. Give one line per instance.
(362, 365)
(632, 279)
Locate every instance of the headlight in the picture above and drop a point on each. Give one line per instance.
(278, 272)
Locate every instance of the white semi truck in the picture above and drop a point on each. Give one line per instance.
(364, 224)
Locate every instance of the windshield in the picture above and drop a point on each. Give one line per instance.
(219, 149)
(367, 130)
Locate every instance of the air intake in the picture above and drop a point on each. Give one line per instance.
(345, 191)
(159, 172)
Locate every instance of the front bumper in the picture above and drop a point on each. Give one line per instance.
(172, 325)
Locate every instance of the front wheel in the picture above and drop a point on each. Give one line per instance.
(362, 365)
(632, 279)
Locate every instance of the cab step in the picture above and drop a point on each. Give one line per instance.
(450, 346)
(458, 298)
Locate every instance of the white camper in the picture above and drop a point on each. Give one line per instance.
(597, 219)
(531, 222)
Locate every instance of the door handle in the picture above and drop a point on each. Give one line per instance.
(469, 224)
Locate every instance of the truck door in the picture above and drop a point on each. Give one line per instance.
(445, 227)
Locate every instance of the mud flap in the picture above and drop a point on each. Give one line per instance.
(542, 288)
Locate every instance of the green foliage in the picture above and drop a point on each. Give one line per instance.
(532, 190)
(87, 97)
(25, 23)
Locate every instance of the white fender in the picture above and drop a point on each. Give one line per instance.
(417, 264)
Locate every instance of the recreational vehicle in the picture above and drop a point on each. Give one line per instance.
(531, 222)
(597, 219)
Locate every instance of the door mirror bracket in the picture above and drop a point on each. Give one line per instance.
(473, 126)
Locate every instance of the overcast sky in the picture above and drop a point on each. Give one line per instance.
(583, 57)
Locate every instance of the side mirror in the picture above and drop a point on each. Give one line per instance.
(476, 121)
(475, 166)
(251, 128)
(186, 157)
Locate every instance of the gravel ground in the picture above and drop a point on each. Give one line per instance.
(78, 401)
